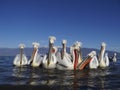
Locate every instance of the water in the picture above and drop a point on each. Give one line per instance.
(29, 78)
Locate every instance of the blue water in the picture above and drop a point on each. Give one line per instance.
(38, 78)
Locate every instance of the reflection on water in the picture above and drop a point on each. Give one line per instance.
(19, 72)
(107, 78)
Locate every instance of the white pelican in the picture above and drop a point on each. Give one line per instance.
(20, 59)
(94, 62)
(63, 58)
(103, 60)
(76, 54)
(50, 60)
(114, 57)
(35, 59)
(65, 61)
(87, 60)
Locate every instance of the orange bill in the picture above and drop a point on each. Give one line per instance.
(84, 63)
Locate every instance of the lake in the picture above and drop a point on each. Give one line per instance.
(29, 78)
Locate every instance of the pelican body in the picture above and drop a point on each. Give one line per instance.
(35, 59)
(20, 59)
(50, 60)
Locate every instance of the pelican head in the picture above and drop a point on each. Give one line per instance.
(115, 54)
(21, 46)
(35, 45)
(52, 39)
(77, 43)
(93, 53)
(75, 46)
(64, 41)
(103, 44)
(102, 50)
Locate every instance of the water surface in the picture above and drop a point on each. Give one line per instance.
(29, 78)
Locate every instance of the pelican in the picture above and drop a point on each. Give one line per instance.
(94, 62)
(114, 57)
(63, 58)
(87, 60)
(76, 54)
(103, 58)
(50, 60)
(35, 59)
(67, 62)
(20, 59)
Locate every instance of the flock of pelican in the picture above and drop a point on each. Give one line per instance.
(61, 59)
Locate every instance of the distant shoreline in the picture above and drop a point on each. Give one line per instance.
(44, 50)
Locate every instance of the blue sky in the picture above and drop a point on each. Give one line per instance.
(88, 21)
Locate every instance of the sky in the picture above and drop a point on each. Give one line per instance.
(89, 21)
